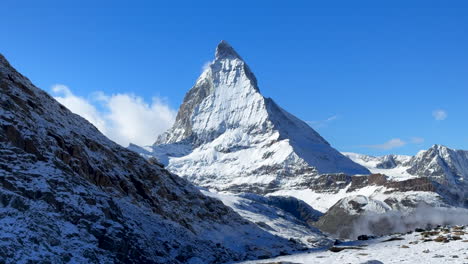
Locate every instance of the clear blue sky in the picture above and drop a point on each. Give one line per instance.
(377, 71)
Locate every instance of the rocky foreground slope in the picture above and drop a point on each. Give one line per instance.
(442, 244)
(67, 193)
(227, 136)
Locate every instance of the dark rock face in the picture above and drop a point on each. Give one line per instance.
(337, 182)
(294, 206)
(414, 184)
(328, 182)
(337, 222)
(70, 194)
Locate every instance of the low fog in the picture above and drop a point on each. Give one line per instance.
(401, 222)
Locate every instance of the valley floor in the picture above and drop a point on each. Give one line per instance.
(435, 246)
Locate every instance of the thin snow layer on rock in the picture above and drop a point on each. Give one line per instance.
(227, 136)
(272, 219)
(360, 204)
(323, 201)
(69, 194)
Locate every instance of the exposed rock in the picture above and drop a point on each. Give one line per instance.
(341, 218)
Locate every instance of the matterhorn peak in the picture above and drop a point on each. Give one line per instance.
(227, 135)
(224, 50)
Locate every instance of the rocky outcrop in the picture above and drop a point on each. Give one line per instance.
(343, 218)
(414, 184)
(294, 206)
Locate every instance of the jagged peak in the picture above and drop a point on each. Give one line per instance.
(224, 50)
(438, 146)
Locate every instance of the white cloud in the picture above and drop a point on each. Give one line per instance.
(391, 144)
(124, 118)
(206, 65)
(439, 114)
(396, 143)
(80, 106)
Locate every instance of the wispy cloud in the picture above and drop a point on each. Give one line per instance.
(395, 143)
(439, 114)
(206, 65)
(124, 118)
(417, 140)
(391, 144)
(322, 123)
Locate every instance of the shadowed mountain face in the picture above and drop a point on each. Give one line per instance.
(67, 193)
(227, 136)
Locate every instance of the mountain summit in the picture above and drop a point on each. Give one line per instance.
(228, 136)
(224, 50)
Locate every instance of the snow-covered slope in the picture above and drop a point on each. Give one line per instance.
(282, 216)
(435, 246)
(227, 136)
(394, 166)
(69, 194)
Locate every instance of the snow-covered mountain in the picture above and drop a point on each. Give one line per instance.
(69, 194)
(286, 217)
(444, 165)
(227, 136)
